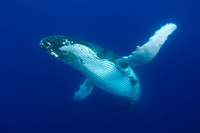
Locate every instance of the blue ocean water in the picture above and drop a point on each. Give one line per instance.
(36, 92)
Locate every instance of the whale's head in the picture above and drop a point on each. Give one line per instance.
(75, 52)
(60, 47)
(52, 45)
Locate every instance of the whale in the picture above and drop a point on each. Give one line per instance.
(102, 67)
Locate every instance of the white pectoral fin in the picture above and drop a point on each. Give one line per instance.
(84, 91)
(148, 51)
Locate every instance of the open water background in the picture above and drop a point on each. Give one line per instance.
(36, 90)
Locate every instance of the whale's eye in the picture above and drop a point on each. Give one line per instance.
(123, 65)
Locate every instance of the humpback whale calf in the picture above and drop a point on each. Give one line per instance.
(102, 67)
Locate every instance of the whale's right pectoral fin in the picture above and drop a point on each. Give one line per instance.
(148, 51)
(84, 91)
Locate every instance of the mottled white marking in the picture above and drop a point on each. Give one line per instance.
(48, 43)
(54, 54)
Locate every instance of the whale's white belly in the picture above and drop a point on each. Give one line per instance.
(106, 76)
(104, 73)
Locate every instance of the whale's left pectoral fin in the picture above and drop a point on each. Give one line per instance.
(148, 51)
(84, 91)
